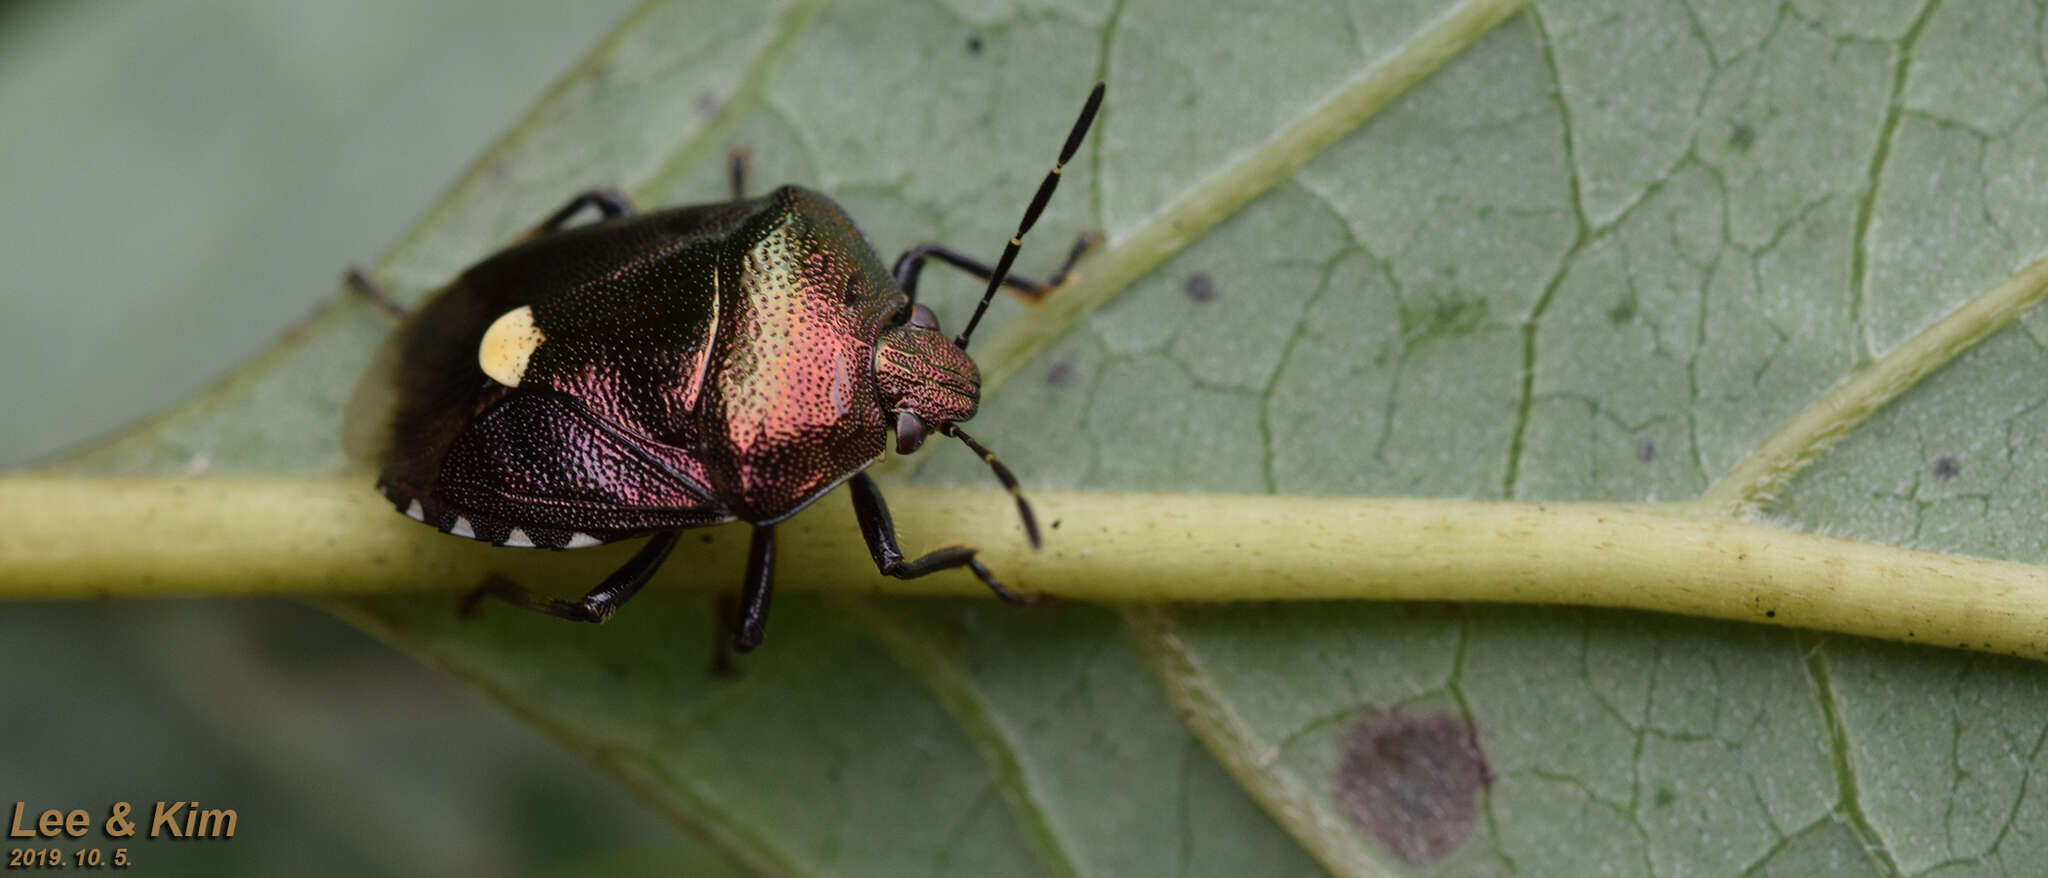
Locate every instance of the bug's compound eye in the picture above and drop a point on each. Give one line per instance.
(910, 432)
(508, 345)
(922, 316)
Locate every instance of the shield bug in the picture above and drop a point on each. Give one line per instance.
(648, 373)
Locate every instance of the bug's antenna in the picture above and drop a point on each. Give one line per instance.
(1003, 474)
(1052, 181)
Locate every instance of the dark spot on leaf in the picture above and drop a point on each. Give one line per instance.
(1741, 138)
(1665, 796)
(708, 104)
(1055, 524)
(1622, 312)
(1200, 288)
(1946, 468)
(1413, 783)
(1646, 450)
(1770, 614)
(1059, 373)
(973, 45)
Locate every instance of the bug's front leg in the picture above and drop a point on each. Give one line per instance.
(911, 264)
(600, 603)
(880, 531)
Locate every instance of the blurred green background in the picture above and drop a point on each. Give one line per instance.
(159, 161)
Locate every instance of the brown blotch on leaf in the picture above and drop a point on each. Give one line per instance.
(1200, 288)
(1412, 783)
(1946, 468)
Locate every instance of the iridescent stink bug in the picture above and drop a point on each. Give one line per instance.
(649, 373)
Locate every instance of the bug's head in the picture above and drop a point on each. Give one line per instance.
(927, 382)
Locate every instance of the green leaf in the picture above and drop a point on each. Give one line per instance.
(1602, 254)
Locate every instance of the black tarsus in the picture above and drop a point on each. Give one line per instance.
(600, 603)
(610, 204)
(1038, 201)
(755, 591)
(880, 532)
(1082, 243)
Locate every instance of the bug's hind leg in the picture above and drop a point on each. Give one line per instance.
(911, 264)
(880, 532)
(610, 204)
(600, 603)
(359, 282)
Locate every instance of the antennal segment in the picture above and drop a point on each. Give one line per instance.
(1003, 475)
(1052, 181)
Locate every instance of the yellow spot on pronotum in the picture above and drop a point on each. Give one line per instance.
(508, 344)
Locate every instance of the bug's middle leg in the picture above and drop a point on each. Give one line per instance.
(752, 621)
(911, 264)
(600, 603)
(610, 204)
(880, 532)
